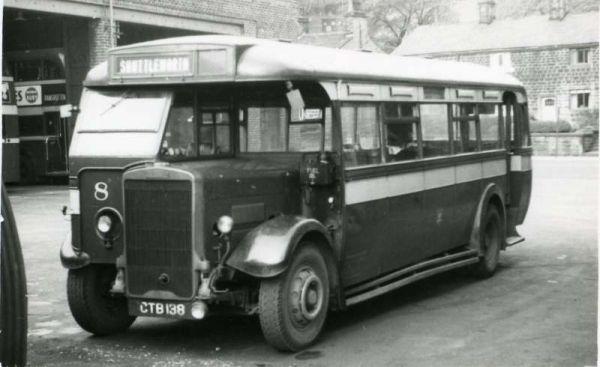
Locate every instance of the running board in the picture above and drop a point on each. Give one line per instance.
(513, 240)
(410, 275)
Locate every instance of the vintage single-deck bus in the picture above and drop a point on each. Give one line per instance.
(218, 173)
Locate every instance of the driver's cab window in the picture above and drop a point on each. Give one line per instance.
(196, 129)
(180, 138)
(215, 131)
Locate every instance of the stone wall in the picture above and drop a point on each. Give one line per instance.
(549, 72)
(562, 144)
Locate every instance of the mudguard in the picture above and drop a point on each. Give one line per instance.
(492, 190)
(71, 259)
(266, 250)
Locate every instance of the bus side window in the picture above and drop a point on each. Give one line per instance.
(180, 137)
(307, 137)
(465, 126)
(401, 131)
(264, 129)
(491, 127)
(434, 122)
(524, 125)
(360, 135)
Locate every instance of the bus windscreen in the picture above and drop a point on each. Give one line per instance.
(122, 111)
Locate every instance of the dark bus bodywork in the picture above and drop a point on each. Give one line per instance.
(262, 211)
(10, 132)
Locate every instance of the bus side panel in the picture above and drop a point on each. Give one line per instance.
(472, 179)
(10, 149)
(520, 187)
(467, 197)
(366, 233)
(438, 212)
(32, 159)
(405, 231)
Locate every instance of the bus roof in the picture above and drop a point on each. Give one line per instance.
(252, 59)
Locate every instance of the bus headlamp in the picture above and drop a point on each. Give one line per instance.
(104, 224)
(225, 224)
(108, 224)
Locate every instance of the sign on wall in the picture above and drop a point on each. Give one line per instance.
(28, 95)
(40, 95)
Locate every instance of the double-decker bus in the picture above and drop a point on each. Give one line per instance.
(218, 173)
(10, 130)
(40, 90)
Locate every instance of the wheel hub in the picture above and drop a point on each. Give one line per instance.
(307, 296)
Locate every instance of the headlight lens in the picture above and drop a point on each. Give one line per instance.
(104, 224)
(225, 224)
(108, 224)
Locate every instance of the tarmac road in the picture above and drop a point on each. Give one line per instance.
(540, 309)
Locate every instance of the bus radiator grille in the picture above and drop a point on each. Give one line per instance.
(158, 242)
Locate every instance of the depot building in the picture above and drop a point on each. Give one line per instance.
(49, 46)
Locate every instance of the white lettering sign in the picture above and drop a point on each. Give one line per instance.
(154, 65)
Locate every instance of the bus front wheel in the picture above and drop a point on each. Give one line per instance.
(93, 307)
(293, 306)
(491, 241)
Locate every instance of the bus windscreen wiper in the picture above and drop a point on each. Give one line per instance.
(122, 97)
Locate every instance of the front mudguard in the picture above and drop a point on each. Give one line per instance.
(266, 250)
(71, 259)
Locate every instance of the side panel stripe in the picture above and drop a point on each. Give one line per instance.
(376, 188)
(520, 163)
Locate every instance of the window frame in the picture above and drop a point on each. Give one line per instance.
(577, 52)
(355, 105)
(390, 120)
(465, 119)
(575, 95)
(197, 110)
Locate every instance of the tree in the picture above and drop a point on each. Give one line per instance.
(523, 8)
(391, 20)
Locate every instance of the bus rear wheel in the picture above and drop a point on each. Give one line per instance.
(92, 305)
(491, 238)
(293, 306)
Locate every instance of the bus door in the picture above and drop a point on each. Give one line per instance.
(519, 141)
(55, 144)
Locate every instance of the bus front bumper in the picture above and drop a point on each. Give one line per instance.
(71, 259)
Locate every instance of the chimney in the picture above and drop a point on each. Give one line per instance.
(558, 9)
(487, 11)
(358, 23)
(303, 21)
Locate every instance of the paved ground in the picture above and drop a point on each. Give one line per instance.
(538, 310)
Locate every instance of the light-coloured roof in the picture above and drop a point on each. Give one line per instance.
(261, 60)
(528, 32)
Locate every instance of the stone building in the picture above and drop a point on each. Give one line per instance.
(49, 45)
(345, 29)
(554, 55)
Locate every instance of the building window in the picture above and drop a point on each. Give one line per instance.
(580, 56)
(501, 61)
(580, 99)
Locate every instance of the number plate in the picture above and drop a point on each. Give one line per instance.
(160, 309)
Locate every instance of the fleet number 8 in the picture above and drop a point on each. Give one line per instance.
(154, 308)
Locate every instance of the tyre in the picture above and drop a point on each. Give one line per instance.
(13, 292)
(491, 237)
(92, 305)
(293, 306)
